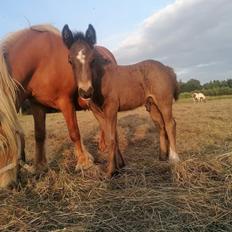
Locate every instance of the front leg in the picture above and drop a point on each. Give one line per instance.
(102, 119)
(84, 159)
(39, 115)
(101, 142)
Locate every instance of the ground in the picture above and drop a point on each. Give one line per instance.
(148, 195)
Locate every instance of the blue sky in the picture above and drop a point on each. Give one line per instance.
(192, 36)
(112, 19)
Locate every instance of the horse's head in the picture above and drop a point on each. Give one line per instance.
(81, 56)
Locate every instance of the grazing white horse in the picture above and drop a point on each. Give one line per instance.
(198, 97)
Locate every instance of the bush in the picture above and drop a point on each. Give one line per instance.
(217, 91)
(185, 95)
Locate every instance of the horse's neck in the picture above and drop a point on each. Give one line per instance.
(24, 58)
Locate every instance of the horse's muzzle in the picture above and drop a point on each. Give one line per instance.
(85, 94)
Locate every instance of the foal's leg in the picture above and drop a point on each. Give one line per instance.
(85, 160)
(102, 119)
(157, 119)
(111, 143)
(39, 115)
(170, 127)
(109, 127)
(102, 143)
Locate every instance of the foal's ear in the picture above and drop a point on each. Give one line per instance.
(67, 36)
(90, 35)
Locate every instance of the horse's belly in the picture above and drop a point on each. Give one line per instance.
(131, 102)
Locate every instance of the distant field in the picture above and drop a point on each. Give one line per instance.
(209, 98)
(149, 195)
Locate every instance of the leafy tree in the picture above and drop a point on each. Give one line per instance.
(190, 85)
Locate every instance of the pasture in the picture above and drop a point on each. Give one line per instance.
(149, 195)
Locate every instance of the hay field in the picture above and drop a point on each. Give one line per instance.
(149, 195)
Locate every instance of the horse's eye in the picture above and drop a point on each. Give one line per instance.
(69, 60)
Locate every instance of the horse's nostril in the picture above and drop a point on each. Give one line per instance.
(90, 91)
(85, 94)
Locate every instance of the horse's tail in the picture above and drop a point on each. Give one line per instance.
(176, 91)
(175, 83)
(9, 126)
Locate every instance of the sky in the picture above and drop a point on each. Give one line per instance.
(192, 36)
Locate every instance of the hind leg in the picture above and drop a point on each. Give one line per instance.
(39, 116)
(170, 127)
(158, 120)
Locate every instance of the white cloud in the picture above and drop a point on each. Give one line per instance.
(193, 36)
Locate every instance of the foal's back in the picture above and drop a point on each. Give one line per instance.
(132, 84)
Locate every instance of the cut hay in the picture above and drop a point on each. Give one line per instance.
(148, 196)
(196, 195)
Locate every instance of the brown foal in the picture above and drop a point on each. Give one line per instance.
(112, 88)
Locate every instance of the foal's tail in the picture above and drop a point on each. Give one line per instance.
(9, 126)
(175, 83)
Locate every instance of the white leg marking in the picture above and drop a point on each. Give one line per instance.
(173, 156)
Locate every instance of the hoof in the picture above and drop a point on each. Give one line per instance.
(35, 169)
(29, 168)
(85, 164)
(163, 157)
(173, 157)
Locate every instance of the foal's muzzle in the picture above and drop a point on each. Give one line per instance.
(85, 94)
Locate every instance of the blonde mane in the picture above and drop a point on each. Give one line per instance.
(45, 27)
(11, 38)
(10, 129)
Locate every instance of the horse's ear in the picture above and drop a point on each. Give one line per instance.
(90, 35)
(67, 36)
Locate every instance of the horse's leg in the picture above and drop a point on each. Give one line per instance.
(101, 117)
(85, 160)
(158, 120)
(170, 127)
(110, 111)
(101, 142)
(119, 157)
(39, 115)
(23, 155)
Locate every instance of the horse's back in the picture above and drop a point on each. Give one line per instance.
(106, 54)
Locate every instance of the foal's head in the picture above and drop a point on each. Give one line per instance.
(81, 56)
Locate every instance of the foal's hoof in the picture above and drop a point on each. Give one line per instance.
(174, 159)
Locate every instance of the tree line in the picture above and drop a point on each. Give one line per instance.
(212, 88)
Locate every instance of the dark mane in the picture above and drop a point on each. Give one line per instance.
(79, 36)
(98, 71)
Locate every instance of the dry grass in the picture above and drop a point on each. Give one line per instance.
(149, 195)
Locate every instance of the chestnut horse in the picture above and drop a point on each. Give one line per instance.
(114, 88)
(37, 59)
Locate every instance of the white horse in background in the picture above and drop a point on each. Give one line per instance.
(198, 97)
